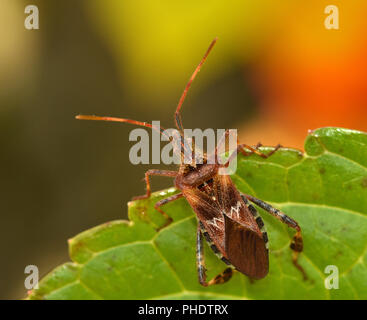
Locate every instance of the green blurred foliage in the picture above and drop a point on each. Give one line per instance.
(157, 43)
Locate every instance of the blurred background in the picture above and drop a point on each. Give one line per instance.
(275, 73)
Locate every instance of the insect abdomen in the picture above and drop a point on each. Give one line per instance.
(214, 247)
(258, 219)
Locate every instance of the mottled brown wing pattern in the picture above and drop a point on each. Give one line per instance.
(208, 213)
(232, 204)
(244, 243)
(245, 249)
(230, 225)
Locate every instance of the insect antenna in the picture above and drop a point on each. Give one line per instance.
(178, 119)
(113, 119)
(184, 148)
(138, 123)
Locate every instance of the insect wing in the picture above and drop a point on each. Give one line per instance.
(209, 214)
(232, 204)
(245, 249)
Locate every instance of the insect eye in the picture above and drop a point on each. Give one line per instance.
(210, 181)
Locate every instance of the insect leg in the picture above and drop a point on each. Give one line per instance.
(255, 149)
(297, 243)
(163, 202)
(241, 148)
(154, 172)
(222, 277)
(200, 263)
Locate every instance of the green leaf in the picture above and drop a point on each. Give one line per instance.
(325, 190)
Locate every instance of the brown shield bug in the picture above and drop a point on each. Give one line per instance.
(230, 224)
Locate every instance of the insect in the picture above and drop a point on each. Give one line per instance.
(226, 219)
